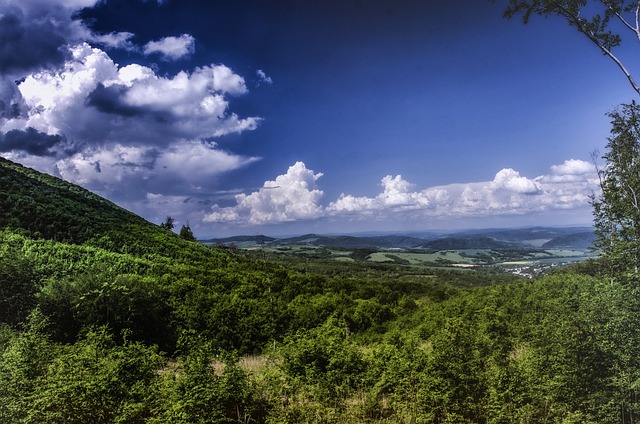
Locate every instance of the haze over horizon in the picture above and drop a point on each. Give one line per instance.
(281, 118)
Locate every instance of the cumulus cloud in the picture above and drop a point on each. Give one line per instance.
(125, 132)
(508, 179)
(567, 186)
(35, 34)
(92, 99)
(171, 48)
(294, 196)
(197, 162)
(290, 197)
(12, 104)
(71, 89)
(571, 170)
(396, 196)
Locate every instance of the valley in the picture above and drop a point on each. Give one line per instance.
(523, 251)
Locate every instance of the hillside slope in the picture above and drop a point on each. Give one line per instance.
(582, 240)
(55, 209)
(44, 206)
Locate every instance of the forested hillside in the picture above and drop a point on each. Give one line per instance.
(49, 207)
(108, 318)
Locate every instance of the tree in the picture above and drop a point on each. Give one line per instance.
(18, 287)
(602, 22)
(617, 209)
(186, 233)
(167, 224)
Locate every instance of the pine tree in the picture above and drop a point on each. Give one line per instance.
(167, 224)
(186, 233)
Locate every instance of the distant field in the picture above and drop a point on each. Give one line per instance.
(426, 259)
(520, 261)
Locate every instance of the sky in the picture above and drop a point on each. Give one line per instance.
(285, 117)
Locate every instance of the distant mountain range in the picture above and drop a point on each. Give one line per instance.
(575, 238)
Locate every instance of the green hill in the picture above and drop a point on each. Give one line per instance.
(42, 206)
(583, 240)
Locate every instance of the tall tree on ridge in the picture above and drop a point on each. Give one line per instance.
(186, 233)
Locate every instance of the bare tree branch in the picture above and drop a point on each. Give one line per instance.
(635, 29)
(580, 24)
(595, 29)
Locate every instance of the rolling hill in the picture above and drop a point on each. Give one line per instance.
(45, 207)
(577, 238)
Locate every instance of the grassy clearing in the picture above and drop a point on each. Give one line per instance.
(379, 257)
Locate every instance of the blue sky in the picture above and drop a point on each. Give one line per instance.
(285, 117)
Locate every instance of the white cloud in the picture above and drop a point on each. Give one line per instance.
(103, 168)
(56, 98)
(126, 131)
(294, 196)
(129, 173)
(72, 5)
(511, 180)
(117, 40)
(225, 81)
(290, 197)
(92, 100)
(507, 193)
(347, 203)
(571, 170)
(171, 48)
(263, 78)
(572, 167)
(75, 4)
(197, 162)
(396, 196)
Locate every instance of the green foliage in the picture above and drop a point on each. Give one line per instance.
(186, 233)
(167, 224)
(52, 208)
(19, 284)
(553, 350)
(324, 357)
(23, 362)
(97, 381)
(204, 390)
(122, 302)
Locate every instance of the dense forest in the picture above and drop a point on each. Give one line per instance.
(107, 318)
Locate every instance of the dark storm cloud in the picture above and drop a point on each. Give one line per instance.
(109, 100)
(9, 110)
(33, 142)
(30, 44)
